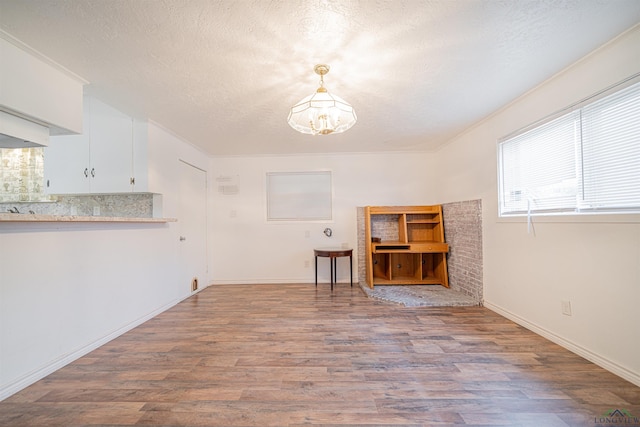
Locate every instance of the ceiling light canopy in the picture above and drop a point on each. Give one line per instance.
(322, 113)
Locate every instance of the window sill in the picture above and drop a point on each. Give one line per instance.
(573, 218)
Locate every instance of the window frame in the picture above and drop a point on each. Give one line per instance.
(292, 202)
(576, 208)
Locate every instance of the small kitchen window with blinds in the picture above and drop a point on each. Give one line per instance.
(586, 160)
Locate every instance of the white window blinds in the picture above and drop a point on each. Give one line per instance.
(611, 152)
(539, 167)
(587, 160)
(299, 196)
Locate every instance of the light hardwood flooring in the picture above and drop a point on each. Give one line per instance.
(294, 355)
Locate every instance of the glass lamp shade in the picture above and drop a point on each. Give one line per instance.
(322, 114)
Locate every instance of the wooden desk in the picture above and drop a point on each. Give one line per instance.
(333, 254)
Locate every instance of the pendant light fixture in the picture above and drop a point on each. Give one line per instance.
(322, 113)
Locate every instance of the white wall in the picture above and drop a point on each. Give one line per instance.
(592, 262)
(164, 152)
(247, 249)
(67, 288)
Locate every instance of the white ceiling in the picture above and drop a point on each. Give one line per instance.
(222, 74)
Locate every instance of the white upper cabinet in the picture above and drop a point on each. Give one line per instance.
(108, 157)
(67, 161)
(36, 88)
(111, 166)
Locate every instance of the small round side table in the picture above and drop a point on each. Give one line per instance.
(333, 254)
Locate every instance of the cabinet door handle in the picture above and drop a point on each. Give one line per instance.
(86, 172)
(93, 172)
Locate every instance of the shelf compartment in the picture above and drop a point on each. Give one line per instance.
(434, 268)
(420, 232)
(381, 267)
(405, 266)
(423, 227)
(431, 218)
(384, 227)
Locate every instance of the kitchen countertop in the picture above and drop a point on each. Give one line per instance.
(12, 217)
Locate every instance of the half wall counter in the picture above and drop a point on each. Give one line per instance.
(87, 208)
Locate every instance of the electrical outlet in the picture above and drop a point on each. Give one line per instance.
(307, 233)
(307, 263)
(566, 307)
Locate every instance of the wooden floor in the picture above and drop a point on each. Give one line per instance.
(291, 355)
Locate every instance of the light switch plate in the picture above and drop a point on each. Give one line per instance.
(566, 307)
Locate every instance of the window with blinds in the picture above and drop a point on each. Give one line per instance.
(586, 160)
(299, 196)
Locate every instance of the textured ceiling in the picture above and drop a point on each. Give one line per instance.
(222, 74)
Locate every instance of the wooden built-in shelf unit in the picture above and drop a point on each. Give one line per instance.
(411, 249)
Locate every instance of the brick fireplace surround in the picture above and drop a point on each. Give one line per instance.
(463, 233)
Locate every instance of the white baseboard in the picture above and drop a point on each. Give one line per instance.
(277, 281)
(38, 374)
(603, 362)
(263, 282)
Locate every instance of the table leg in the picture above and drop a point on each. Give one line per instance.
(335, 270)
(351, 270)
(332, 263)
(316, 271)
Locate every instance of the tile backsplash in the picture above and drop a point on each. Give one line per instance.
(126, 205)
(22, 175)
